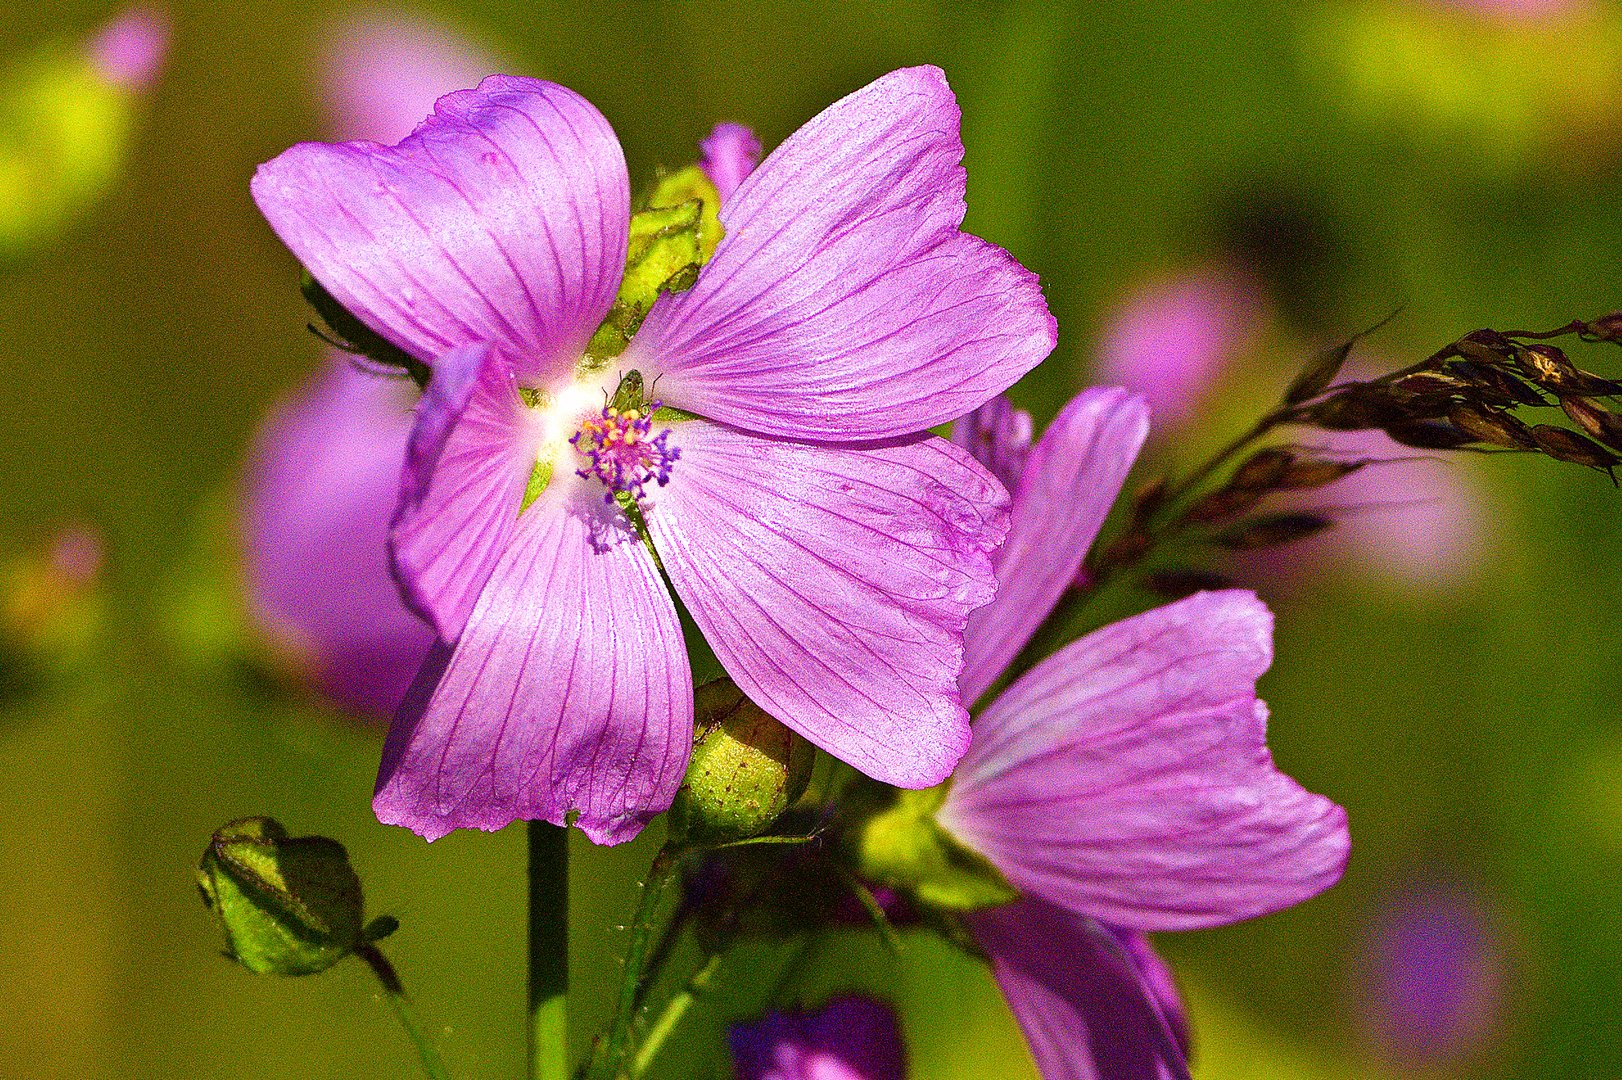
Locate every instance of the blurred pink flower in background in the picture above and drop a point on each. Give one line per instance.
(324, 476)
(323, 481)
(1432, 975)
(1173, 339)
(129, 51)
(1520, 9)
(381, 74)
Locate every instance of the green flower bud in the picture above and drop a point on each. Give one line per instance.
(904, 847)
(747, 769)
(289, 905)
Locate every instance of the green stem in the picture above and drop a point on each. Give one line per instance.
(608, 1063)
(394, 993)
(671, 1015)
(548, 951)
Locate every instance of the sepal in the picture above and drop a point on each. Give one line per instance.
(903, 847)
(288, 905)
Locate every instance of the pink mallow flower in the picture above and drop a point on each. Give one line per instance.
(850, 1038)
(829, 551)
(1122, 785)
(324, 473)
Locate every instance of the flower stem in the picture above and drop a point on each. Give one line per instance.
(610, 1060)
(671, 1015)
(548, 951)
(394, 993)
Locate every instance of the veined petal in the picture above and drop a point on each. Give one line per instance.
(1075, 987)
(322, 485)
(834, 584)
(468, 461)
(568, 691)
(843, 303)
(504, 217)
(1127, 777)
(999, 437)
(1064, 493)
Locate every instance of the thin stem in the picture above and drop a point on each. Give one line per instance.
(394, 993)
(548, 951)
(671, 1015)
(608, 1063)
(662, 951)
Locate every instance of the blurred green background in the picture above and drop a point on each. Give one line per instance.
(1470, 171)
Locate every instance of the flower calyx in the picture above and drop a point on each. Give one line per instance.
(903, 846)
(672, 236)
(289, 905)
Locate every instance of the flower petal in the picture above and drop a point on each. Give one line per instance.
(731, 153)
(322, 485)
(843, 302)
(834, 584)
(999, 437)
(468, 461)
(1075, 987)
(1127, 777)
(1068, 485)
(503, 217)
(569, 690)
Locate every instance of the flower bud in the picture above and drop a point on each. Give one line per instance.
(903, 847)
(289, 905)
(747, 769)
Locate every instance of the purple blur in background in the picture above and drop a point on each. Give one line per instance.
(851, 1038)
(1432, 976)
(323, 481)
(1173, 339)
(381, 75)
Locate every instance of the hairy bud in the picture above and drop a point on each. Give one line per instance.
(747, 769)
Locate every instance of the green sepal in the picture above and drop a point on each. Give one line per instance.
(288, 905)
(671, 239)
(354, 336)
(689, 185)
(904, 847)
(539, 478)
